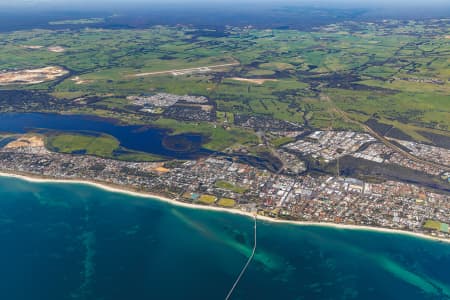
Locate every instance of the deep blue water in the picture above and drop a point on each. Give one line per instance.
(305, 15)
(139, 138)
(72, 241)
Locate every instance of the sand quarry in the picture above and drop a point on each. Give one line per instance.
(26, 141)
(32, 76)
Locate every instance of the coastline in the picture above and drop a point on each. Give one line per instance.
(130, 191)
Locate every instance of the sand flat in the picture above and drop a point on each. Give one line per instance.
(26, 141)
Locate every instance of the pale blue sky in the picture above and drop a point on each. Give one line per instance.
(443, 6)
(356, 2)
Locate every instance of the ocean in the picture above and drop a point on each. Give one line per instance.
(73, 241)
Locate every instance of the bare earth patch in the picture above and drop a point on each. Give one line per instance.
(32, 76)
(31, 47)
(157, 167)
(26, 141)
(56, 49)
(252, 80)
(79, 81)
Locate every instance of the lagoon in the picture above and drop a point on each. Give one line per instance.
(134, 137)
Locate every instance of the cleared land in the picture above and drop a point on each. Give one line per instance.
(253, 80)
(32, 76)
(26, 141)
(56, 49)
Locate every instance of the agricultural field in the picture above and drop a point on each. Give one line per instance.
(340, 76)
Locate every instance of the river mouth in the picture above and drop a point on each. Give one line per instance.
(145, 138)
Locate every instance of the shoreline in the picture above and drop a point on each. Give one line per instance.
(130, 191)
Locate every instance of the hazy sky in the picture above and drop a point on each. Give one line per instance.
(119, 6)
(203, 12)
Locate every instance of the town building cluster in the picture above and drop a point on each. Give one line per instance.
(330, 145)
(178, 107)
(265, 123)
(196, 113)
(292, 164)
(165, 99)
(380, 153)
(221, 181)
(436, 154)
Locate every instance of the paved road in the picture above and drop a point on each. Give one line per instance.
(197, 69)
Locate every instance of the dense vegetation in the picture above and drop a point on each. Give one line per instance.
(104, 146)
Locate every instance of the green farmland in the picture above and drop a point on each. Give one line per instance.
(393, 72)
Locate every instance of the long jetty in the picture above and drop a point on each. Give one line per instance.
(250, 258)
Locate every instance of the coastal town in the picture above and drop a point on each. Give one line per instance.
(221, 181)
(332, 145)
(216, 150)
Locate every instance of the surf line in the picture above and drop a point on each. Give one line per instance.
(250, 258)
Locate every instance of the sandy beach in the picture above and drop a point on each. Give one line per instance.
(129, 191)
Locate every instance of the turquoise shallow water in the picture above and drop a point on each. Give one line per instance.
(72, 241)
